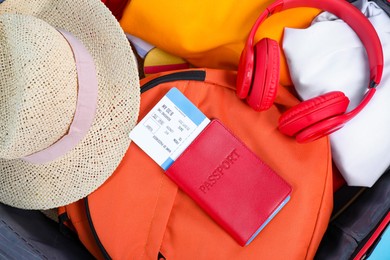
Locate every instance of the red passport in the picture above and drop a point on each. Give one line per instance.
(234, 186)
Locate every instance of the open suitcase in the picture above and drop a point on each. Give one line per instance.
(167, 218)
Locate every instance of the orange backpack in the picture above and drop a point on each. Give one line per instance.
(139, 213)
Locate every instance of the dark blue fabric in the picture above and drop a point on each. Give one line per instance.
(348, 231)
(13, 246)
(28, 234)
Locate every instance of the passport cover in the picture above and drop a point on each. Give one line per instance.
(234, 186)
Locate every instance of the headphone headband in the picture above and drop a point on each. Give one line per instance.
(345, 11)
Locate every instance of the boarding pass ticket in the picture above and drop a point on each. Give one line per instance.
(169, 128)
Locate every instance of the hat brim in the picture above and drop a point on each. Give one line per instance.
(95, 158)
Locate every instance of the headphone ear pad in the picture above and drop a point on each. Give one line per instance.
(312, 111)
(266, 74)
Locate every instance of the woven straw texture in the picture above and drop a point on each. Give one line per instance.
(30, 94)
(32, 122)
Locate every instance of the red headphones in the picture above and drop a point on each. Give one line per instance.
(258, 74)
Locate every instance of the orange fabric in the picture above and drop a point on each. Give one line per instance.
(77, 215)
(131, 209)
(139, 211)
(209, 34)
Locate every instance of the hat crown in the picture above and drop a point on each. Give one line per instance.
(38, 85)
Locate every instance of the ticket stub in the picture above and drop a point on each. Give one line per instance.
(169, 128)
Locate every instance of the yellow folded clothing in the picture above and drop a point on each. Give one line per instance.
(208, 34)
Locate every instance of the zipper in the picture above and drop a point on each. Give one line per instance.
(197, 75)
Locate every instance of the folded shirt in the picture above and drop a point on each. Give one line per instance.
(329, 56)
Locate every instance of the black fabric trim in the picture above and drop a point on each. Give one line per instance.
(160, 256)
(198, 75)
(95, 235)
(64, 229)
(62, 218)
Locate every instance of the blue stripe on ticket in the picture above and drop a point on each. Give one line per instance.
(189, 109)
(167, 163)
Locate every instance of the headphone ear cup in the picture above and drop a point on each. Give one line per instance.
(266, 74)
(245, 72)
(312, 111)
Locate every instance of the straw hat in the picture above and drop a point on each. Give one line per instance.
(69, 96)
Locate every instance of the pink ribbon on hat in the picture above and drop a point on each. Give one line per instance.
(85, 108)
